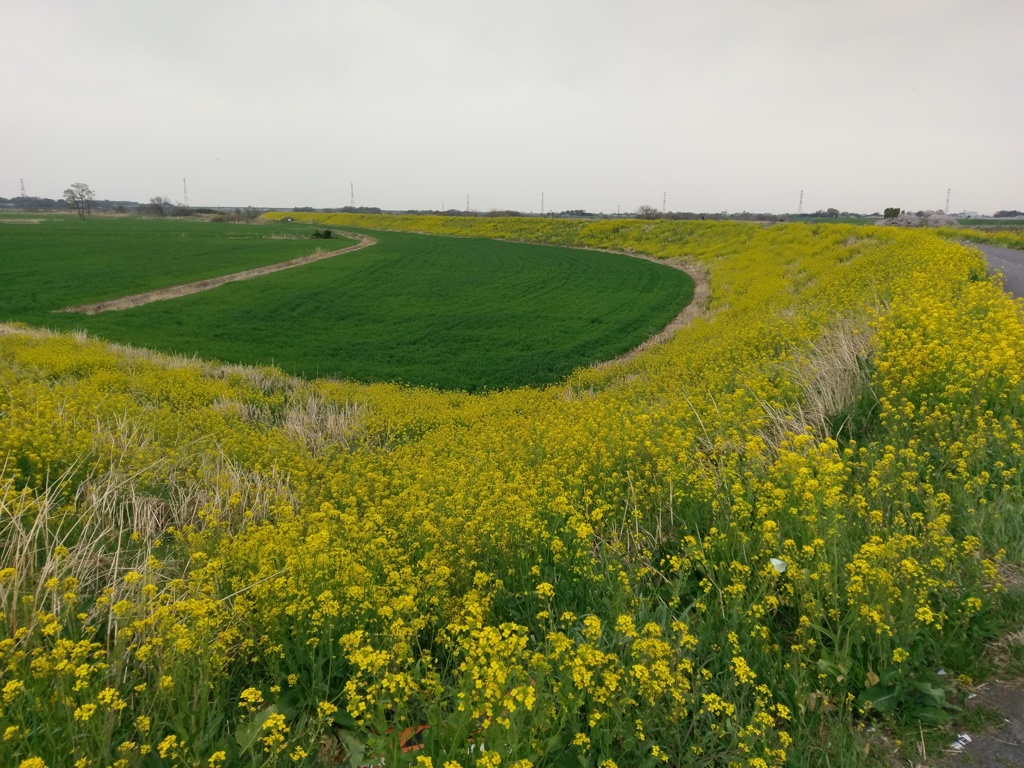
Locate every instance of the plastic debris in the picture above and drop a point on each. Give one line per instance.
(961, 741)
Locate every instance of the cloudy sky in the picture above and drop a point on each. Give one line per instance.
(727, 105)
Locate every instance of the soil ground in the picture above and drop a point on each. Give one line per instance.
(1003, 745)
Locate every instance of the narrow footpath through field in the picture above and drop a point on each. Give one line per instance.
(1008, 261)
(163, 294)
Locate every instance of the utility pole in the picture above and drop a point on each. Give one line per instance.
(184, 189)
(352, 194)
(800, 208)
(948, 192)
(663, 196)
(467, 202)
(541, 203)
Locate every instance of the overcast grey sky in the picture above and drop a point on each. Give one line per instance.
(725, 105)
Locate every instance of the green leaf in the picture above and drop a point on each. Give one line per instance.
(213, 725)
(355, 749)
(933, 692)
(555, 744)
(344, 719)
(248, 733)
(933, 715)
(881, 698)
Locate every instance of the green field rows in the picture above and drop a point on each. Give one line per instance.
(63, 261)
(453, 313)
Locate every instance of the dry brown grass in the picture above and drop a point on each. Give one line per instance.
(112, 524)
(317, 423)
(831, 375)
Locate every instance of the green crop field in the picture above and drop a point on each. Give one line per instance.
(62, 261)
(454, 313)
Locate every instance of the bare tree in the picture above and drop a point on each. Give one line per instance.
(647, 212)
(79, 196)
(157, 206)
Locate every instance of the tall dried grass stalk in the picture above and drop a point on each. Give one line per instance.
(318, 423)
(111, 525)
(833, 374)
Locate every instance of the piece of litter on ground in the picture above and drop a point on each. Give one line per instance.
(961, 741)
(941, 673)
(972, 696)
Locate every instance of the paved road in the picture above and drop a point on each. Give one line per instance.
(1010, 262)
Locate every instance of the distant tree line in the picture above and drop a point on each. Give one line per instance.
(81, 199)
(47, 204)
(345, 209)
(164, 206)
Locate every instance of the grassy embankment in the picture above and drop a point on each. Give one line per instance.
(741, 547)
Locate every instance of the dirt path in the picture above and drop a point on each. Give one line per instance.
(173, 292)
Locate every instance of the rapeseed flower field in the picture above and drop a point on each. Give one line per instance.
(737, 548)
(1008, 237)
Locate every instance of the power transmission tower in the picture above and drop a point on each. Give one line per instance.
(948, 192)
(23, 188)
(664, 195)
(541, 203)
(184, 189)
(467, 203)
(352, 192)
(800, 208)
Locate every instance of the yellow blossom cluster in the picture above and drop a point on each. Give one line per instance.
(799, 499)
